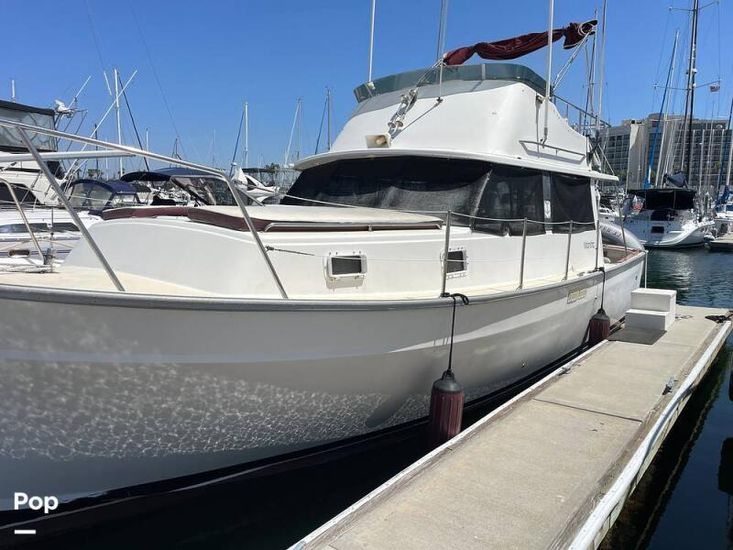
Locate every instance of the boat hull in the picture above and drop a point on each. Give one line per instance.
(108, 392)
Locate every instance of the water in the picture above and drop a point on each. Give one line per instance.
(686, 498)
(681, 502)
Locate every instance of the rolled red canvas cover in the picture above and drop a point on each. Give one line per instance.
(511, 48)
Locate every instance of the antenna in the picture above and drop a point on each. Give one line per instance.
(548, 90)
(12, 89)
(441, 29)
(371, 40)
(602, 70)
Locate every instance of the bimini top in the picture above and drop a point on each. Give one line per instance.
(165, 174)
(658, 199)
(427, 76)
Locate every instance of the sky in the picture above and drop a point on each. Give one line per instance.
(197, 62)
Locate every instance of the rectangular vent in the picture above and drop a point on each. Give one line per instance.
(657, 229)
(456, 261)
(346, 266)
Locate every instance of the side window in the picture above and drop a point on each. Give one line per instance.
(512, 194)
(76, 196)
(571, 200)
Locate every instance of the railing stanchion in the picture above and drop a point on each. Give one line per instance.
(524, 249)
(646, 261)
(623, 235)
(255, 235)
(22, 127)
(23, 217)
(599, 245)
(567, 254)
(74, 216)
(446, 249)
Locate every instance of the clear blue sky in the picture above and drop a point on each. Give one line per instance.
(211, 56)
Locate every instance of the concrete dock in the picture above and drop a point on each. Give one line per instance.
(551, 468)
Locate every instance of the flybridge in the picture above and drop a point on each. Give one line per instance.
(511, 72)
(10, 141)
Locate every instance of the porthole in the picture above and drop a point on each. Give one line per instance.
(457, 262)
(346, 266)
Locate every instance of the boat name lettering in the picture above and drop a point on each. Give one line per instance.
(576, 294)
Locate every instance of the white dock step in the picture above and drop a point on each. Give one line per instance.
(646, 319)
(654, 299)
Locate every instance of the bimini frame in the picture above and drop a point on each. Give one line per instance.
(23, 130)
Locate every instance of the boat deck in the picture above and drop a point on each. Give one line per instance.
(550, 468)
(86, 279)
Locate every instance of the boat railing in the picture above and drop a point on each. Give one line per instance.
(582, 121)
(23, 217)
(448, 215)
(22, 129)
(571, 224)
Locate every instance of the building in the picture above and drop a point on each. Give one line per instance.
(627, 150)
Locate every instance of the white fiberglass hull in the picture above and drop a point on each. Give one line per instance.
(667, 234)
(105, 393)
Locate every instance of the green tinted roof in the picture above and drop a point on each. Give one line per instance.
(484, 71)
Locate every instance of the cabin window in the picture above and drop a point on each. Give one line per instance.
(571, 199)
(512, 194)
(456, 261)
(419, 184)
(346, 266)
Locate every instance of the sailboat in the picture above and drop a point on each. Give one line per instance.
(178, 348)
(670, 216)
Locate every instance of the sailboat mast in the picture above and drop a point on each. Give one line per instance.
(652, 150)
(730, 146)
(691, 74)
(246, 134)
(117, 114)
(328, 115)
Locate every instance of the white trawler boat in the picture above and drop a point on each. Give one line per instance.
(226, 336)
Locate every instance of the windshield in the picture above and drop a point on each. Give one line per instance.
(213, 191)
(502, 195)
(399, 183)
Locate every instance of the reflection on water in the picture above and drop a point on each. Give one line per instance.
(685, 499)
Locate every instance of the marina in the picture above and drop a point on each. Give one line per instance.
(480, 313)
(567, 458)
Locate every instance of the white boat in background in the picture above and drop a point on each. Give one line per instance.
(221, 336)
(40, 236)
(663, 218)
(723, 214)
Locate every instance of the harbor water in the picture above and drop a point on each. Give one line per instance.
(685, 499)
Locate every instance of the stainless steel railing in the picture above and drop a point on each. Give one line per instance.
(22, 128)
(23, 217)
(525, 221)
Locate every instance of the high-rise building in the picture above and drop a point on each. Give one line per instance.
(627, 150)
